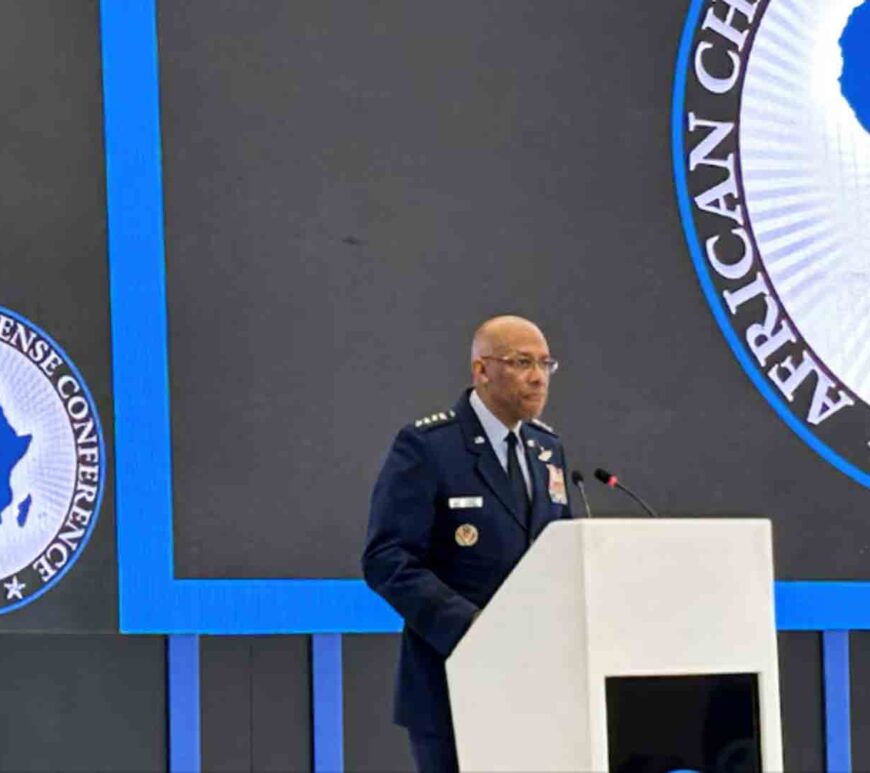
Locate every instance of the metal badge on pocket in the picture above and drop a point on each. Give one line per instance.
(466, 535)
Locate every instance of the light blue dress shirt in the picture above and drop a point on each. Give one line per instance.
(496, 432)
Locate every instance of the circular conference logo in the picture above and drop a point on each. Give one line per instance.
(52, 467)
(771, 141)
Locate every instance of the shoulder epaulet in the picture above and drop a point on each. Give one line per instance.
(546, 427)
(435, 420)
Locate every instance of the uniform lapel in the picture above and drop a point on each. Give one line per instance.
(487, 466)
(540, 480)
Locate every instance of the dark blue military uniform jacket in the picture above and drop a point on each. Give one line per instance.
(413, 556)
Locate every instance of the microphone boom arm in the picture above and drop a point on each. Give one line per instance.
(649, 511)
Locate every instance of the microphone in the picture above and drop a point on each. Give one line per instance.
(577, 480)
(608, 479)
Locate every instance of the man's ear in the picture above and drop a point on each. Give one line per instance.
(478, 371)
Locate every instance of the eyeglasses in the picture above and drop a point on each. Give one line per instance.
(525, 364)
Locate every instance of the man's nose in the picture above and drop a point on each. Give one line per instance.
(538, 373)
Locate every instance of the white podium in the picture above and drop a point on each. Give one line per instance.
(594, 599)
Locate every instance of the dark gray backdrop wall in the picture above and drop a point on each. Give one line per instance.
(351, 187)
(54, 269)
(255, 704)
(86, 702)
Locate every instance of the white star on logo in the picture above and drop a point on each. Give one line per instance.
(14, 588)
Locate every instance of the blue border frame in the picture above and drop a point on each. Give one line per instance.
(151, 599)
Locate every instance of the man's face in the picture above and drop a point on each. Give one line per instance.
(515, 394)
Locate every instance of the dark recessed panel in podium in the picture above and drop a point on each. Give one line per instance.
(706, 723)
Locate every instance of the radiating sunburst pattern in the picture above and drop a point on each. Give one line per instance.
(46, 472)
(805, 161)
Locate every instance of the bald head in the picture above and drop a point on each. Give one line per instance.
(498, 335)
(500, 348)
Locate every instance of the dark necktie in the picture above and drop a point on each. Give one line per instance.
(515, 476)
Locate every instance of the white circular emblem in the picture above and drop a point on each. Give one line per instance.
(771, 136)
(52, 466)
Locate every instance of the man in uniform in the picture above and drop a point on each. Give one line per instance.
(461, 496)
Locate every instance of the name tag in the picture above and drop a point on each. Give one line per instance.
(461, 503)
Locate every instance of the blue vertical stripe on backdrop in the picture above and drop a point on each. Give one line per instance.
(327, 703)
(183, 702)
(838, 735)
(134, 202)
